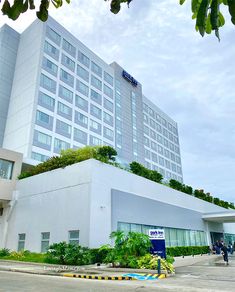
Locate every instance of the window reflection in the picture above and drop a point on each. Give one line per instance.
(6, 168)
(173, 236)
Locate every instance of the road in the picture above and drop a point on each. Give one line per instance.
(203, 277)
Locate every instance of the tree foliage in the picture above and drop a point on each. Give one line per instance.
(208, 15)
(69, 254)
(206, 12)
(70, 156)
(200, 194)
(140, 170)
(176, 251)
(180, 187)
(127, 248)
(21, 6)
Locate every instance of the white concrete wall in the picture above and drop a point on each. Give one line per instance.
(3, 225)
(55, 202)
(18, 130)
(8, 185)
(79, 198)
(9, 40)
(106, 177)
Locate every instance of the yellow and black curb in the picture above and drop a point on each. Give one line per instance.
(98, 277)
(113, 278)
(158, 276)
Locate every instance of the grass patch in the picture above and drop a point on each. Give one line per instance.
(25, 257)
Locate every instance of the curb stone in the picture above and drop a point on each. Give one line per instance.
(92, 277)
(29, 272)
(118, 278)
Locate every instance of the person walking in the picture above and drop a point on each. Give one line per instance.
(224, 250)
(217, 247)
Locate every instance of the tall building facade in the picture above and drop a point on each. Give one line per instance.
(62, 95)
(9, 41)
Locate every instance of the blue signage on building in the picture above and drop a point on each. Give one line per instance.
(157, 237)
(129, 78)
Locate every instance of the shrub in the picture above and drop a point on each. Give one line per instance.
(170, 259)
(69, 254)
(56, 253)
(18, 255)
(98, 255)
(140, 170)
(187, 189)
(127, 248)
(180, 187)
(71, 156)
(199, 194)
(175, 184)
(4, 252)
(106, 153)
(186, 250)
(151, 262)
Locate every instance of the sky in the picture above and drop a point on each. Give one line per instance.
(190, 78)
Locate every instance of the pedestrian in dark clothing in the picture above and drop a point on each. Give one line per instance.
(221, 243)
(217, 247)
(225, 253)
(213, 250)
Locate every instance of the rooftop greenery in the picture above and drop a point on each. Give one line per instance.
(107, 154)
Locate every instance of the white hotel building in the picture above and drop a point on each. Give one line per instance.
(56, 94)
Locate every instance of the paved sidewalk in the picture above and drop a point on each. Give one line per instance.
(59, 270)
(191, 260)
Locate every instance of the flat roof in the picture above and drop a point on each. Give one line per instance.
(221, 217)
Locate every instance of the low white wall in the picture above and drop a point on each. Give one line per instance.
(57, 202)
(79, 198)
(106, 177)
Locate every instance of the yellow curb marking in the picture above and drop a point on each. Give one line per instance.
(119, 278)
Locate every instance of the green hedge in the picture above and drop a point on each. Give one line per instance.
(141, 170)
(70, 156)
(107, 154)
(99, 255)
(186, 250)
(200, 194)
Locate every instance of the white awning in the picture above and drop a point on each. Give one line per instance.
(221, 217)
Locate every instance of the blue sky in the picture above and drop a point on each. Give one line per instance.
(191, 78)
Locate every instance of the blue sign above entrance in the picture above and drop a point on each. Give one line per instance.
(129, 78)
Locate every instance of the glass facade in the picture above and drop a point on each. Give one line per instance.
(161, 139)
(39, 157)
(48, 83)
(83, 73)
(65, 93)
(67, 62)
(173, 236)
(21, 241)
(229, 238)
(6, 168)
(74, 237)
(42, 140)
(82, 88)
(46, 101)
(60, 145)
(51, 50)
(94, 91)
(45, 241)
(69, 48)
